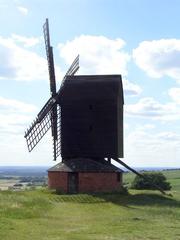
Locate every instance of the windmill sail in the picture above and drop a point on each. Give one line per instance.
(50, 59)
(71, 71)
(47, 107)
(37, 130)
(50, 114)
(57, 146)
(41, 124)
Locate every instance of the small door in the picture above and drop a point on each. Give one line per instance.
(73, 182)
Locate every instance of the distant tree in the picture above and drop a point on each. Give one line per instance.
(150, 180)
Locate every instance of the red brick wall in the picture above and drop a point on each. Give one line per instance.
(88, 182)
(98, 182)
(58, 180)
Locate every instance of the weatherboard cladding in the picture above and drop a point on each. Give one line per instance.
(83, 165)
(92, 116)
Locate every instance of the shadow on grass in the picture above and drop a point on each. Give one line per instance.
(129, 200)
(142, 199)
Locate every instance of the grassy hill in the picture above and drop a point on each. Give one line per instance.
(43, 215)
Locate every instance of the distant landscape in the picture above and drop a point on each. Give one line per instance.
(24, 170)
(22, 177)
(33, 176)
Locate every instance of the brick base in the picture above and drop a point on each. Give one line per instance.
(87, 181)
(58, 181)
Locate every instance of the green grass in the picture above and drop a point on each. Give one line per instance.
(43, 215)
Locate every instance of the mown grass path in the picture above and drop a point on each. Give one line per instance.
(44, 215)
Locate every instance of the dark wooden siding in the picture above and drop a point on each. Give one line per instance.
(92, 117)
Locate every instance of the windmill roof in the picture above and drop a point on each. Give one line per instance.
(83, 165)
(92, 86)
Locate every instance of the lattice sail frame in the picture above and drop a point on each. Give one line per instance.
(38, 129)
(57, 150)
(71, 71)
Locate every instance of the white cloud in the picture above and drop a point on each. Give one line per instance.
(159, 58)
(15, 115)
(16, 106)
(22, 10)
(145, 147)
(141, 137)
(145, 127)
(98, 54)
(174, 93)
(148, 107)
(126, 126)
(130, 88)
(26, 41)
(20, 64)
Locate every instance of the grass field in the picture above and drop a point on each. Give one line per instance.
(43, 215)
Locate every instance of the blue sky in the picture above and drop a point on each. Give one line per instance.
(138, 39)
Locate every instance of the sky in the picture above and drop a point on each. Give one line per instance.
(139, 39)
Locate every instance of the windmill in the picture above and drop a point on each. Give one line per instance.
(86, 120)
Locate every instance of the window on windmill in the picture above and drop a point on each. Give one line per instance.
(90, 128)
(90, 107)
